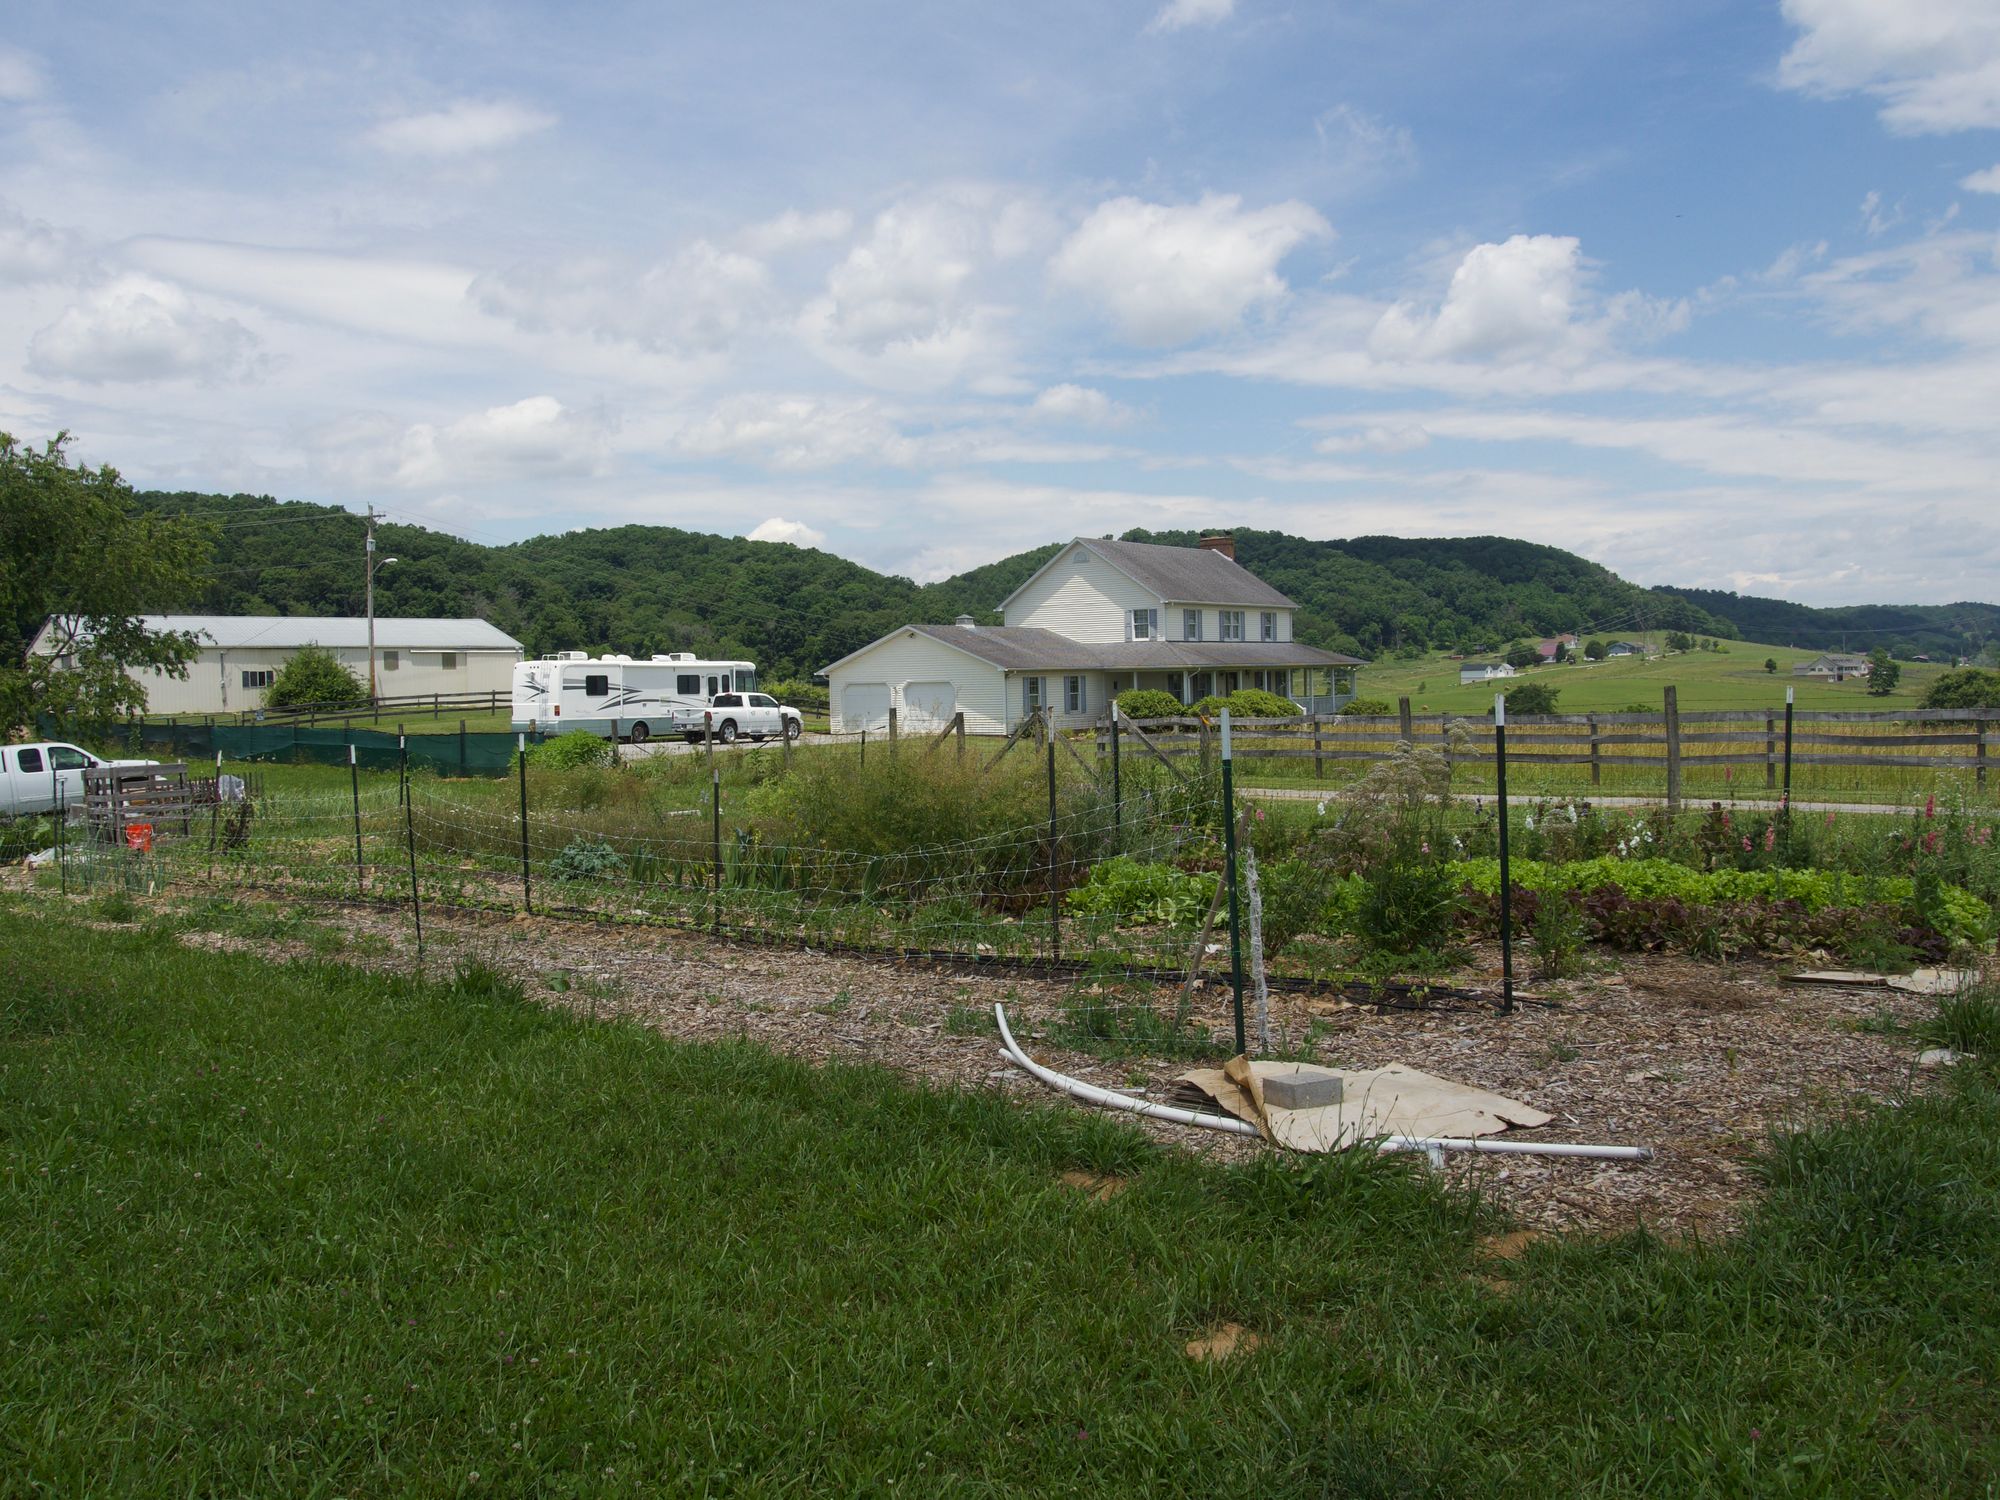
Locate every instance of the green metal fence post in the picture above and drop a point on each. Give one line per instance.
(354, 779)
(1055, 910)
(1506, 872)
(1229, 874)
(527, 890)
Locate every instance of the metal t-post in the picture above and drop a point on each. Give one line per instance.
(715, 849)
(1506, 873)
(354, 781)
(1229, 874)
(410, 837)
(1785, 802)
(527, 888)
(1117, 791)
(1055, 914)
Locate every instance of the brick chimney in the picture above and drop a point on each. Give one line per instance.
(1221, 542)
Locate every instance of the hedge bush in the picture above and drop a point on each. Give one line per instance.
(572, 751)
(1149, 703)
(1247, 703)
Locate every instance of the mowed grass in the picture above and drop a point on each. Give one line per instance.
(305, 1231)
(1733, 678)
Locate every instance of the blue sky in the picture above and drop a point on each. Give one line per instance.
(1707, 291)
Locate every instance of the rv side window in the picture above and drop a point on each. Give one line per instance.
(30, 760)
(714, 687)
(597, 685)
(688, 684)
(745, 680)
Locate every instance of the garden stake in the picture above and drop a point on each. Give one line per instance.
(1055, 914)
(527, 889)
(354, 779)
(410, 837)
(1117, 794)
(715, 848)
(62, 839)
(1785, 802)
(1229, 874)
(1506, 877)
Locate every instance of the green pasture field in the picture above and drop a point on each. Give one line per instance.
(303, 1230)
(1733, 678)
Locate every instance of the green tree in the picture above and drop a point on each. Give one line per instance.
(314, 675)
(1679, 640)
(1595, 650)
(1770, 664)
(1883, 673)
(1522, 657)
(80, 565)
(1532, 698)
(1969, 688)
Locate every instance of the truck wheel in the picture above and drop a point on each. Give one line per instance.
(726, 731)
(640, 734)
(694, 737)
(793, 728)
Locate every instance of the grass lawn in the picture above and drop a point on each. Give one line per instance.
(305, 1231)
(1733, 678)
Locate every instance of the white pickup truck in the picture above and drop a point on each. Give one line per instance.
(37, 778)
(757, 715)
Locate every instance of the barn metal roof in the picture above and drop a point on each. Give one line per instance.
(392, 632)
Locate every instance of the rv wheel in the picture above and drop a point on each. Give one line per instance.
(640, 734)
(726, 731)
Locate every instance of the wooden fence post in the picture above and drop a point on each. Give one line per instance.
(1979, 753)
(958, 729)
(1409, 728)
(1596, 767)
(1673, 728)
(1319, 752)
(892, 731)
(1770, 750)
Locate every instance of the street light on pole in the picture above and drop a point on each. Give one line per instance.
(369, 591)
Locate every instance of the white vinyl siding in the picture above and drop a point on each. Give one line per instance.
(917, 668)
(216, 679)
(1082, 597)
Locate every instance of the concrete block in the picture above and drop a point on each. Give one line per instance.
(1300, 1087)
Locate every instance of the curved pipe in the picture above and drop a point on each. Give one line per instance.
(1432, 1146)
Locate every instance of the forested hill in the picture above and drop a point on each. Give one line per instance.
(642, 589)
(1939, 629)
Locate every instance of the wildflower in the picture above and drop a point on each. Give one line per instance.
(1829, 818)
(1729, 773)
(1746, 843)
(1930, 842)
(1322, 807)
(1770, 838)
(1930, 806)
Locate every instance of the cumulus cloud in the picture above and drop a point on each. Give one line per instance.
(1178, 14)
(31, 250)
(1934, 65)
(138, 328)
(20, 76)
(792, 230)
(1169, 273)
(778, 529)
(1982, 182)
(900, 310)
(1079, 404)
(1505, 298)
(699, 300)
(460, 129)
(533, 439)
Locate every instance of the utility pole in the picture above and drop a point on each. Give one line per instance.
(370, 592)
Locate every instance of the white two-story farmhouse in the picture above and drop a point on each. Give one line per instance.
(1098, 619)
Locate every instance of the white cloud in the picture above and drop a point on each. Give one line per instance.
(1987, 181)
(536, 439)
(1933, 64)
(1176, 14)
(778, 529)
(1504, 299)
(1079, 404)
(792, 230)
(1376, 437)
(1170, 273)
(138, 328)
(698, 301)
(31, 250)
(800, 432)
(460, 129)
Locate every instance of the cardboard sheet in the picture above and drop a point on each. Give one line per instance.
(1919, 982)
(1375, 1102)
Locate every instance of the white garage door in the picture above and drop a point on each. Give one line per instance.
(864, 705)
(929, 705)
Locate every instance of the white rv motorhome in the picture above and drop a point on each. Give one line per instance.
(623, 697)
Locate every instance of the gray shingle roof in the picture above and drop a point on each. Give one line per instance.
(392, 632)
(1026, 648)
(1182, 575)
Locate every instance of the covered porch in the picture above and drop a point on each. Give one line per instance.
(1318, 690)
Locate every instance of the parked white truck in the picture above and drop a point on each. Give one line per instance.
(640, 698)
(41, 777)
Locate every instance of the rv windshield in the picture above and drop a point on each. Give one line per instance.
(746, 679)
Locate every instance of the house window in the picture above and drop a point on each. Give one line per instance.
(448, 660)
(1268, 625)
(1177, 685)
(390, 661)
(1190, 624)
(1073, 697)
(1232, 624)
(1145, 624)
(1201, 686)
(1230, 683)
(261, 679)
(597, 685)
(1031, 695)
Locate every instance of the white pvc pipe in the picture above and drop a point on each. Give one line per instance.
(1431, 1146)
(1091, 1093)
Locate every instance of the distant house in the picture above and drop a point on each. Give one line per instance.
(240, 655)
(1482, 671)
(1547, 649)
(1097, 619)
(1625, 648)
(1833, 667)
